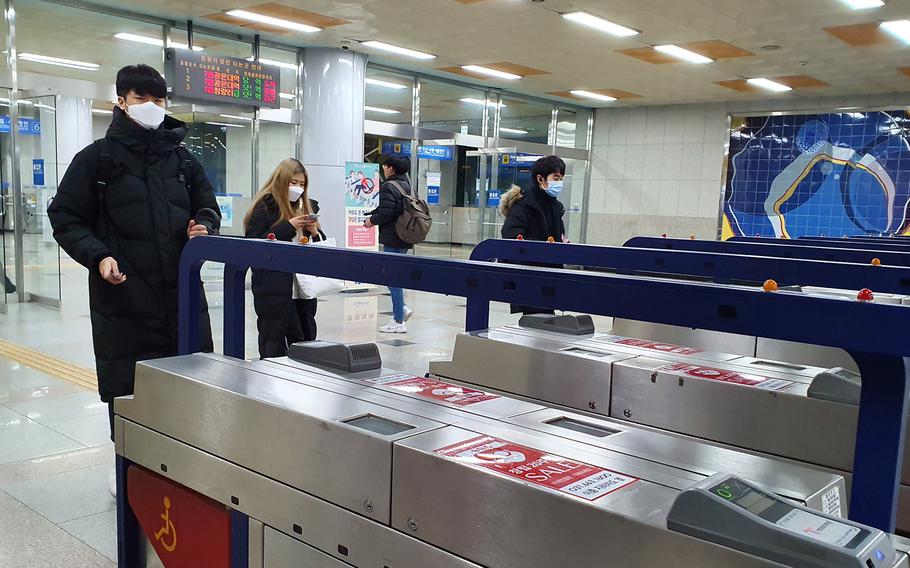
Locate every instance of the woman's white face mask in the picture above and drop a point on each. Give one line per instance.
(294, 192)
(148, 115)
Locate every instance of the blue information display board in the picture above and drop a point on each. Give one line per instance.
(38, 172)
(27, 126)
(442, 153)
(434, 181)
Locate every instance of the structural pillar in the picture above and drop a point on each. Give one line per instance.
(331, 133)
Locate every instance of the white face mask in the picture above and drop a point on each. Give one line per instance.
(294, 192)
(148, 115)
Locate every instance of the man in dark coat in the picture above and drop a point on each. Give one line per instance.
(391, 205)
(534, 213)
(124, 210)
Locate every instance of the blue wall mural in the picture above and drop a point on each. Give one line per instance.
(835, 174)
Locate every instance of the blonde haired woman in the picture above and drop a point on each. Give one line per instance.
(282, 207)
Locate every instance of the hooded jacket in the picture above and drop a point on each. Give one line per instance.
(391, 205)
(532, 214)
(140, 219)
(527, 215)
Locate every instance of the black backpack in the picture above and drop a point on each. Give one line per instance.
(414, 222)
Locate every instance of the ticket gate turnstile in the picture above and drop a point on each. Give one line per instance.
(369, 479)
(799, 412)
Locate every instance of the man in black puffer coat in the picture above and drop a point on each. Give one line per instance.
(124, 210)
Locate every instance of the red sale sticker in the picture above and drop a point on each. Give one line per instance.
(433, 389)
(727, 376)
(655, 346)
(562, 474)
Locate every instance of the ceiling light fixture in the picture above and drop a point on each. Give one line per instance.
(864, 4)
(769, 85)
(684, 54)
(593, 95)
(512, 130)
(158, 42)
(600, 24)
(382, 110)
(234, 117)
(898, 28)
(472, 101)
(101, 111)
(386, 84)
(287, 96)
(396, 49)
(275, 63)
(225, 124)
(491, 72)
(48, 60)
(271, 21)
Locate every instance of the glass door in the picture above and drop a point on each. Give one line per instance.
(38, 177)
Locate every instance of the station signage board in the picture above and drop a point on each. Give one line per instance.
(220, 79)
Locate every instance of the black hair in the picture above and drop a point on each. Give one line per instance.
(401, 164)
(546, 166)
(141, 78)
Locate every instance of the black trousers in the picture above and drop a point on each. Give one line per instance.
(306, 314)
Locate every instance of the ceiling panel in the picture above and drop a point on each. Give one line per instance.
(810, 35)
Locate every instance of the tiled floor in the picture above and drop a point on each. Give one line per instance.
(55, 455)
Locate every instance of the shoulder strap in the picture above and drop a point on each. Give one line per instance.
(400, 189)
(105, 171)
(186, 166)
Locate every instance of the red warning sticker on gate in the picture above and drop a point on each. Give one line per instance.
(727, 376)
(655, 346)
(435, 390)
(562, 474)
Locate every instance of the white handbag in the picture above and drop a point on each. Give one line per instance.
(311, 287)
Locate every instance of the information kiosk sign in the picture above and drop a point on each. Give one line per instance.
(220, 79)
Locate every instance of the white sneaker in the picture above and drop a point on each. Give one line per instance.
(394, 327)
(408, 312)
(112, 483)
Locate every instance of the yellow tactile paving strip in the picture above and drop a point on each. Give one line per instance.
(74, 374)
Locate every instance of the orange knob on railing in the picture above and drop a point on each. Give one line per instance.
(304, 240)
(271, 236)
(770, 286)
(520, 237)
(551, 240)
(865, 295)
(692, 237)
(876, 262)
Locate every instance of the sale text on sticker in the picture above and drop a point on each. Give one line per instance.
(540, 468)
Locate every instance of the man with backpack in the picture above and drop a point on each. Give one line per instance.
(124, 210)
(403, 220)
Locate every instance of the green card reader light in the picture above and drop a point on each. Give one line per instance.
(733, 512)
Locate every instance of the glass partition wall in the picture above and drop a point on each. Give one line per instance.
(469, 145)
